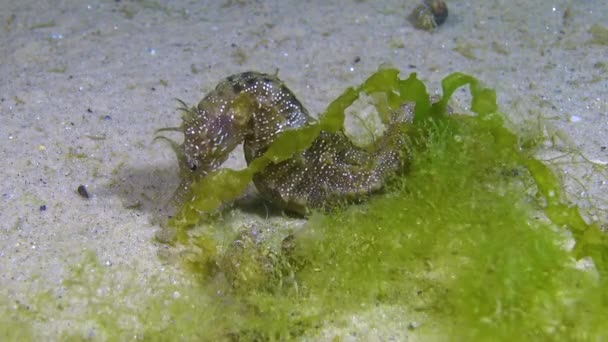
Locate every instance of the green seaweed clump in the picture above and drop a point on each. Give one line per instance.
(472, 239)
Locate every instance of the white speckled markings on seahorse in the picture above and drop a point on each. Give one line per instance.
(254, 108)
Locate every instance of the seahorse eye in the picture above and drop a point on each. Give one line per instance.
(192, 166)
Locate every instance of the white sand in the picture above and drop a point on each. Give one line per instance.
(84, 85)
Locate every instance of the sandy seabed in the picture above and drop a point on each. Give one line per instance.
(84, 86)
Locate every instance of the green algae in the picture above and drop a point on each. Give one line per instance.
(599, 34)
(14, 321)
(471, 241)
(474, 234)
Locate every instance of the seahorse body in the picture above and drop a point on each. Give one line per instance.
(254, 108)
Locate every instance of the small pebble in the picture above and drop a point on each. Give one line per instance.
(82, 191)
(43, 207)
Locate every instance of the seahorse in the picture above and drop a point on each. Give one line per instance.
(254, 108)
